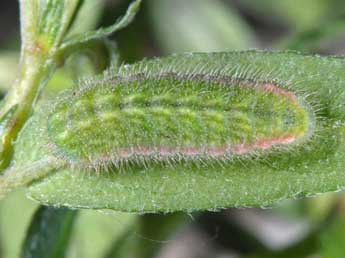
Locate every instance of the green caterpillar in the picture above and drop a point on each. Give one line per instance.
(137, 119)
(187, 132)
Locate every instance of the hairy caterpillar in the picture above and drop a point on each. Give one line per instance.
(174, 117)
(190, 132)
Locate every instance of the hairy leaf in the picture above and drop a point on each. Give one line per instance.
(192, 132)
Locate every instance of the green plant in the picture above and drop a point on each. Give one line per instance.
(183, 133)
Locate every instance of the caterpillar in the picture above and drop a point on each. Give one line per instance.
(174, 117)
(192, 131)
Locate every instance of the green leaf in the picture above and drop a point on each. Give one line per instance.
(78, 41)
(264, 175)
(49, 233)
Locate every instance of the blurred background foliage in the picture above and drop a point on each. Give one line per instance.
(306, 228)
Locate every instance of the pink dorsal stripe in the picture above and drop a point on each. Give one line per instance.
(278, 91)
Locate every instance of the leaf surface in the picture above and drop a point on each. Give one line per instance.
(314, 167)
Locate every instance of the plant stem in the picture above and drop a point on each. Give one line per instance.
(35, 68)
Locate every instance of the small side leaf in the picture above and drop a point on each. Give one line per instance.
(82, 40)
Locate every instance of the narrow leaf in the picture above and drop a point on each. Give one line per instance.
(49, 233)
(83, 39)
